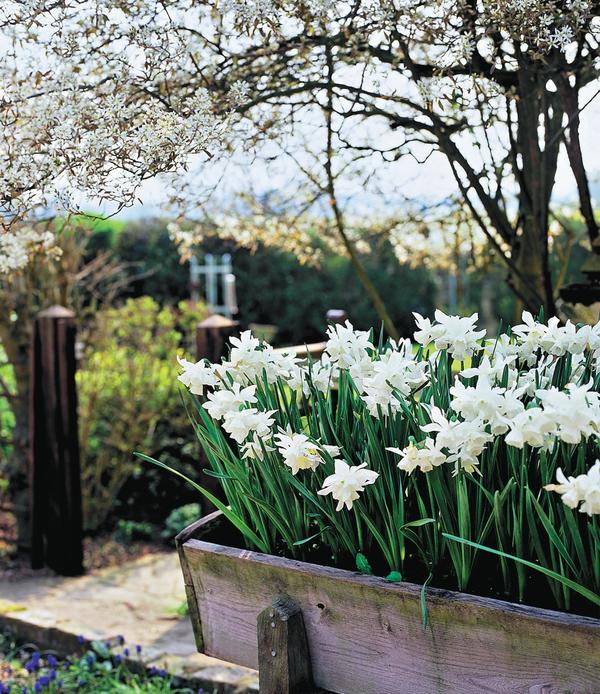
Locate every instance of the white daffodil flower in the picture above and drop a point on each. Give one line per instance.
(347, 482)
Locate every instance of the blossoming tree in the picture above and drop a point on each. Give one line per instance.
(99, 96)
(494, 87)
(86, 111)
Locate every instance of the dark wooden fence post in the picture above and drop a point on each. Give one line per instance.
(55, 477)
(336, 315)
(212, 335)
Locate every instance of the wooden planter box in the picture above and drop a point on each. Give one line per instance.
(365, 635)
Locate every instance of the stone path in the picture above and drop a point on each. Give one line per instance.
(138, 600)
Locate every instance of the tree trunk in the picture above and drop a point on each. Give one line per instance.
(538, 126)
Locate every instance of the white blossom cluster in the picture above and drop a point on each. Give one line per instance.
(231, 399)
(583, 489)
(19, 246)
(86, 109)
(541, 24)
(509, 394)
(254, 229)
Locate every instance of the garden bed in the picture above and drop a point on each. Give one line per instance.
(366, 634)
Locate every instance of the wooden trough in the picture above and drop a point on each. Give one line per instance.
(365, 635)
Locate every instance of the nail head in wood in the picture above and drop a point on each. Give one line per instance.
(283, 657)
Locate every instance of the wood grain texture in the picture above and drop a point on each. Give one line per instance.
(366, 637)
(194, 530)
(283, 656)
(54, 463)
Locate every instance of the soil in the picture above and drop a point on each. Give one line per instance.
(100, 551)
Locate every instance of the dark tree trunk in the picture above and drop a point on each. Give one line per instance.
(539, 116)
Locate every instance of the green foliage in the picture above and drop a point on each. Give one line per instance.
(155, 264)
(127, 395)
(128, 531)
(98, 668)
(7, 417)
(189, 315)
(273, 287)
(180, 518)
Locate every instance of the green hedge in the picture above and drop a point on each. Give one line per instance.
(272, 286)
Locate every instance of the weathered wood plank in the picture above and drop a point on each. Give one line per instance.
(283, 655)
(194, 530)
(365, 635)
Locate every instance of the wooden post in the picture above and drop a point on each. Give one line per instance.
(212, 335)
(283, 657)
(55, 482)
(336, 315)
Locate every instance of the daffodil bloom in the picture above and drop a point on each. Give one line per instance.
(196, 376)
(221, 402)
(347, 482)
(584, 489)
(424, 456)
(298, 452)
(241, 423)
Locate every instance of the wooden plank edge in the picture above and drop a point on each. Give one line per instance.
(436, 597)
(196, 528)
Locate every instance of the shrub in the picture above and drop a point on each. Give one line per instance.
(128, 531)
(180, 518)
(126, 395)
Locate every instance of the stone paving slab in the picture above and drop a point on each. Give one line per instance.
(137, 600)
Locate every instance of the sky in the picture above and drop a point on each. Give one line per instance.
(425, 183)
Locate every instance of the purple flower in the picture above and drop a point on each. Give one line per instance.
(118, 659)
(162, 673)
(32, 665)
(52, 662)
(81, 639)
(90, 659)
(138, 649)
(121, 639)
(126, 652)
(153, 671)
